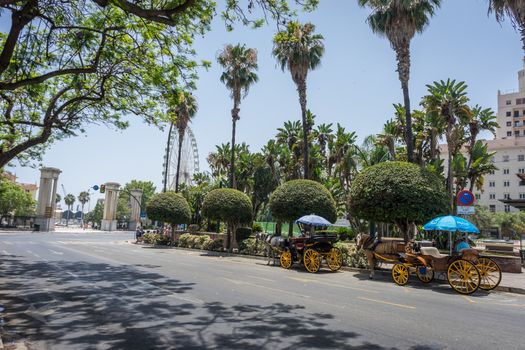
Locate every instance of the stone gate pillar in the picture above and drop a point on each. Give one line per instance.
(135, 200)
(45, 210)
(109, 220)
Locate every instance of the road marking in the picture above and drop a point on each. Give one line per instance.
(171, 294)
(306, 280)
(5, 252)
(264, 287)
(261, 278)
(8, 243)
(387, 303)
(72, 274)
(55, 252)
(469, 299)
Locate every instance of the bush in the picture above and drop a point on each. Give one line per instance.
(250, 246)
(214, 245)
(169, 207)
(184, 240)
(296, 198)
(351, 256)
(193, 228)
(345, 233)
(397, 192)
(155, 238)
(149, 238)
(243, 233)
(256, 227)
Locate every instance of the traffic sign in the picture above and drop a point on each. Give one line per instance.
(95, 187)
(465, 198)
(466, 210)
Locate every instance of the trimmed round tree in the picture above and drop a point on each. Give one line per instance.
(397, 192)
(169, 207)
(296, 198)
(231, 206)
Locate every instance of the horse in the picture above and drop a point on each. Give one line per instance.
(371, 247)
(272, 244)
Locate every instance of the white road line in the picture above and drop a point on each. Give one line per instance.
(5, 252)
(55, 252)
(171, 294)
(387, 303)
(8, 243)
(268, 288)
(72, 274)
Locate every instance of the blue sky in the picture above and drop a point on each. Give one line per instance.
(355, 86)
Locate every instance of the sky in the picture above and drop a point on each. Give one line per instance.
(355, 86)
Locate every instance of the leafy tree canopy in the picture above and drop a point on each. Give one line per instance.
(14, 200)
(397, 192)
(228, 205)
(64, 64)
(296, 198)
(169, 207)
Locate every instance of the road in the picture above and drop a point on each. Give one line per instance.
(97, 291)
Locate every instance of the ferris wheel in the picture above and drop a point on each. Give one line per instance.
(189, 159)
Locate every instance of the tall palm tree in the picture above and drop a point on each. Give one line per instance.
(299, 50)
(69, 200)
(448, 100)
(515, 10)
(399, 21)
(481, 119)
(83, 198)
(240, 64)
(185, 110)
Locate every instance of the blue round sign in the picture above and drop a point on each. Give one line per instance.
(465, 198)
(95, 187)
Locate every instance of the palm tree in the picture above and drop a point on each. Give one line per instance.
(399, 21)
(185, 110)
(515, 10)
(448, 100)
(83, 198)
(240, 64)
(69, 200)
(58, 198)
(481, 119)
(299, 50)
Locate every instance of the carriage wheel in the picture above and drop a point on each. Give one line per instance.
(286, 259)
(463, 276)
(490, 273)
(334, 259)
(400, 274)
(312, 260)
(425, 274)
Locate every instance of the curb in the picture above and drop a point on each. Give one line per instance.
(383, 273)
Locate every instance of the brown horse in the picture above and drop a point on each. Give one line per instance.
(371, 248)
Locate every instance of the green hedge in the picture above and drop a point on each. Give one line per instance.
(169, 207)
(296, 198)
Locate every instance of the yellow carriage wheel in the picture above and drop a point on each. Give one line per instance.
(490, 273)
(286, 259)
(463, 276)
(334, 259)
(425, 274)
(312, 260)
(400, 274)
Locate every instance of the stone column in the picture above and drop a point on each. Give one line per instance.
(109, 222)
(45, 211)
(135, 200)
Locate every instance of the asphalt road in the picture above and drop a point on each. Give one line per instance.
(96, 291)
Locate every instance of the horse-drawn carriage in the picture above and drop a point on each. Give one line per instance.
(465, 270)
(310, 249)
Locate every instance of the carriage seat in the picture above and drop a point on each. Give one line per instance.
(432, 251)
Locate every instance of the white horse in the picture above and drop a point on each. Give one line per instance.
(273, 244)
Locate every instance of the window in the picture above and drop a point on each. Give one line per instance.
(509, 124)
(492, 184)
(516, 114)
(521, 157)
(507, 208)
(522, 195)
(518, 101)
(522, 183)
(516, 133)
(492, 208)
(492, 172)
(505, 171)
(523, 112)
(492, 196)
(509, 133)
(506, 183)
(506, 196)
(521, 171)
(505, 158)
(509, 113)
(478, 196)
(508, 102)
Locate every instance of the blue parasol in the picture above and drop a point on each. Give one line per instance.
(313, 220)
(450, 223)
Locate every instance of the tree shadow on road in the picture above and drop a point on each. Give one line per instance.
(82, 305)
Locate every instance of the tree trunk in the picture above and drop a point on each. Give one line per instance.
(301, 88)
(290, 229)
(166, 165)
(403, 70)
(433, 145)
(450, 179)
(181, 138)
(235, 117)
